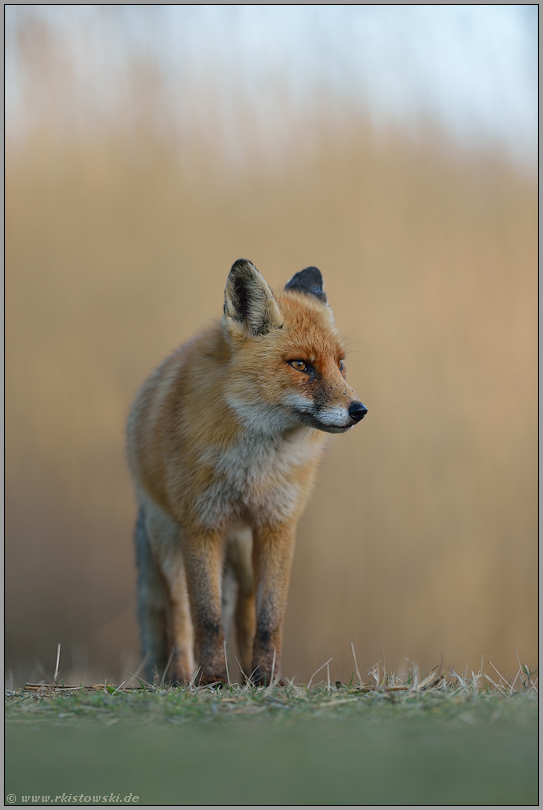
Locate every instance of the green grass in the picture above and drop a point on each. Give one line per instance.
(451, 744)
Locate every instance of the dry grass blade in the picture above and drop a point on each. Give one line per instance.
(247, 679)
(501, 676)
(516, 676)
(193, 679)
(140, 667)
(226, 665)
(375, 673)
(141, 680)
(119, 688)
(356, 666)
(524, 669)
(430, 682)
(166, 668)
(459, 678)
(317, 672)
(495, 685)
(274, 681)
(57, 665)
(476, 676)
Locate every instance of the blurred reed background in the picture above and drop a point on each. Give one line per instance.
(147, 148)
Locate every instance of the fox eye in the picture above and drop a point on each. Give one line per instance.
(341, 365)
(299, 365)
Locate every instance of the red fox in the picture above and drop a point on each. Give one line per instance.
(224, 440)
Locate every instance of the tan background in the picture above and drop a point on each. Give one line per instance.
(420, 539)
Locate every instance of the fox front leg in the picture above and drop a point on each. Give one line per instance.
(273, 551)
(204, 555)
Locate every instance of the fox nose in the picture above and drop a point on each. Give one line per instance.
(357, 411)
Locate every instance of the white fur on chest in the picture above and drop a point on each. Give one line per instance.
(256, 477)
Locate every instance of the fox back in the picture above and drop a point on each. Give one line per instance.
(224, 440)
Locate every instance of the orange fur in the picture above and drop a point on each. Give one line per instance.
(224, 440)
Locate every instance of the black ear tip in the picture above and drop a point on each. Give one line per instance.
(314, 275)
(308, 281)
(242, 264)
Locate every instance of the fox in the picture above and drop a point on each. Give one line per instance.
(224, 440)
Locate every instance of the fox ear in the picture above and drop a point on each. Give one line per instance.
(309, 282)
(249, 301)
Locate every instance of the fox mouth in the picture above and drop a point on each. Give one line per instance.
(334, 420)
(314, 422)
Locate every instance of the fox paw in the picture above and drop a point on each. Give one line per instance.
(216, 677)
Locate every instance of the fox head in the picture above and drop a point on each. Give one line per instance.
(287, 364)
